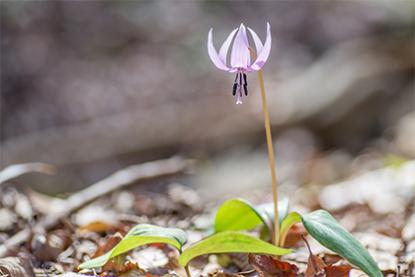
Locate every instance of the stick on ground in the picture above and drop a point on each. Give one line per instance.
(112, 183)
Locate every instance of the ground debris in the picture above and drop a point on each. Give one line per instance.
(394, 186)
(16, 267)
(268, 266)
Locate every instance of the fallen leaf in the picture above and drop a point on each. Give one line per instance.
(267, 266)
(330, 259)
(315, 267)
(119, 265)
(338, 270)
(294, 235)
(108, 245)
(47, 247)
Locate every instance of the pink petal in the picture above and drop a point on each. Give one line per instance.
(264, 54)
(257, 41)
(225, 46)
(240, 57)
(213, 54)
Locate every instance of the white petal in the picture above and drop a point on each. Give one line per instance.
(213, 54)
(225, 46)
(264, 54)
(240, 57)
(257, 41)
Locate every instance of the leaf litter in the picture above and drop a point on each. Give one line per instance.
(95, 229)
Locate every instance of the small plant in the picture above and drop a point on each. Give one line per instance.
(142, 234)
(237, 215)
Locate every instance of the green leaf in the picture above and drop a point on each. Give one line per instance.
(325, 229)
(230, 242)
(140, 235)
(239, 214)
(287, 223)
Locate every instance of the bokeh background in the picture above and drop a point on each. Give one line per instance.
(94, 86)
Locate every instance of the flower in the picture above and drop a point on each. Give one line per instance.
(240, 60)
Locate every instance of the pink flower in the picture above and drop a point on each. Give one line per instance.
(240, 60)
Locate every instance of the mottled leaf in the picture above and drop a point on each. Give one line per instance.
(325, 229)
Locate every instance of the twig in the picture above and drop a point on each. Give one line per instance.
(116, 181)
(313, 262)
(16, 170)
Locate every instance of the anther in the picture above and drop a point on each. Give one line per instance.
(245, 85)
(240, 84)
(235, 86)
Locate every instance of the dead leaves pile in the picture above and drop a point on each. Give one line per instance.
(316, 267)
(267, 266)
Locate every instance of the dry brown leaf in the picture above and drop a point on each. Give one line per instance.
(97, 227)
(119, 265)
(315, 267)
(294, 235)
(267, 266)
(330, 259)
(338, 270)
(47, 247)
(108, 245)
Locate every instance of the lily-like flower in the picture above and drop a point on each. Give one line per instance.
(240, 60)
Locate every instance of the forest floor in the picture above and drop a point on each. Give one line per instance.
(47, 236)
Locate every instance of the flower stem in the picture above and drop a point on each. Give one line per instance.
(271, 157)
(187, 271)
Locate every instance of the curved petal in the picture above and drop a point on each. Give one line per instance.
(240, 57)
(264, 54)
(214, 55)
(225, 46)
(257, 41)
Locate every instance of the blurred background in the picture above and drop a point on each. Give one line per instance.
(94, 86)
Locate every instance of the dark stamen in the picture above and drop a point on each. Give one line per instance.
(235, 85)
(240, 83)
(245, 85)
(236, 77)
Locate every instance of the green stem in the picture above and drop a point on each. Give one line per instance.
(186, 268)
(187, 271)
